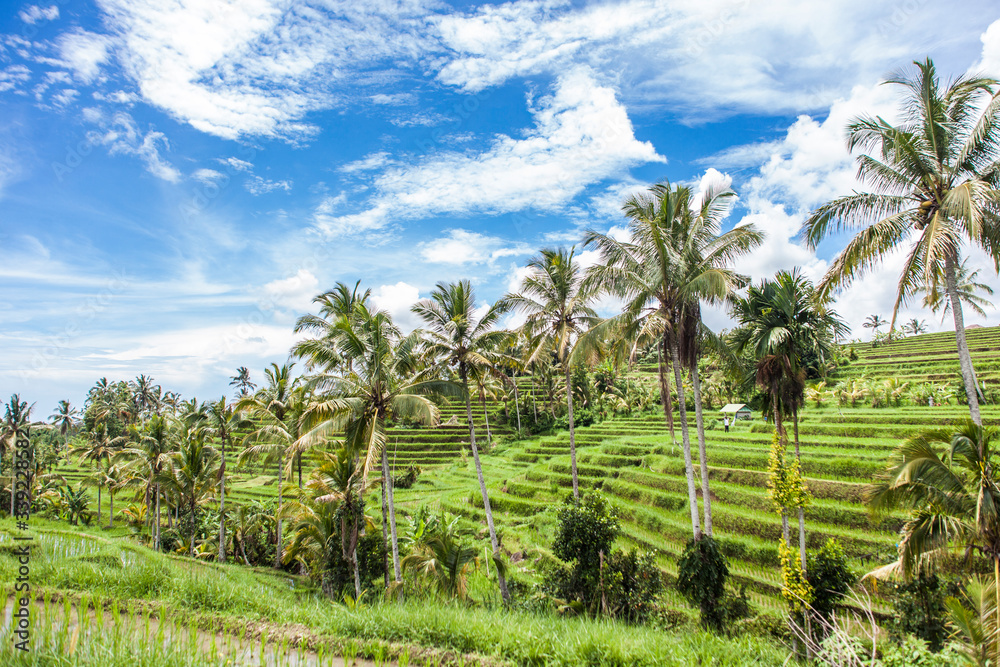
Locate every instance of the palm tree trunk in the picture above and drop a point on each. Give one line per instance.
(385, 533)
(194, 524)
(482, 488)
(357, 576)
(802, 513)
(668, 405)
(686, 440)
(517, 408)
(277, 555)
(706, 496)
(222, 505)
(157, 517)
(99, 499)
(392, 520)
(486, 414)
(572, 436)
(111, 517)
(964, 358)
(299, 457)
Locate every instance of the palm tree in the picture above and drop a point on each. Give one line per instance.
(473, 345)
(334, 306)
(935, 183)
(242, 382)
(386, 377)
(915, 327)
(675, 258)
(98, 449)
(557, 303)
(193, 472)
(248, 519)
(966, 285)
(874, 322)
(442, 558)
(780, 322)
(145, 394)
(946, 480)
(220, 420)
(275, 412)
(148, 454)
(65, 417)
(14, 431)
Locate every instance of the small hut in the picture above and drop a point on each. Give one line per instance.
(737, 411)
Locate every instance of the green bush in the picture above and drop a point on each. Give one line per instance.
(830, 578)
(761, 427)
(919, 607)
(407, 478)
(701, 578)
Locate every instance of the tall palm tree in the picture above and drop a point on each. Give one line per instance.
(334, 305)
(98, 449)
(386, 378)
(242, 382)
(65, 417)
(274, 411)
(935, 186)
(675, 258)
(219, 419)
(915, 327)
(145, 394)
(15, 430)
(558, 304)
(781, 321)
(192, 473)
(147, 454)
(945, 479)
(473, 345)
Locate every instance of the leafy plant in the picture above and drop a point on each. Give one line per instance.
(701, 577)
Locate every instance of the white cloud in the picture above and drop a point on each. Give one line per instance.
(459, 246)
(124, 137)
(11, 77)
(368, 163)
(257, 67)
(397, 300)
(208, 176)
(290, 295)
(33, 14)
(238, 164)
(84, 53)
(989, 63)
(394, 99)
(582, 135)
(258, 185)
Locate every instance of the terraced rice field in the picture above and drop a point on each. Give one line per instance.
(640, 468)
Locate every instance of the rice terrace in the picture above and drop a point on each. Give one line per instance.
(594, 333)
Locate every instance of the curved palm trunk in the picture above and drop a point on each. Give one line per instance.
(802, 513)
(277, 555)
(482, 488)
(486, 414)
(686, 440)
(964, 358)
(222, 505)
(702, 453)
(668, 405)
(392, 520)
(572, 435)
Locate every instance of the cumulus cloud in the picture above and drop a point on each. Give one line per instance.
(582, 135)
(258, 185)
(397, 300)
(459, 246)
(290, 296)
(83, 52)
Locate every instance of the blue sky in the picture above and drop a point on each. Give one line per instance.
(179, 178)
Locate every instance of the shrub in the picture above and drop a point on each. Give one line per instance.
(761, 427)
(919, 607)
(830, 578)
(701, 578)
(407, 478)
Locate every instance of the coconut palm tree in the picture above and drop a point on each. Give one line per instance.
(14, 430)
(147, 454)
(675, 258)
(98, 449)
(473, 345)
(220, 420)
(244, 386)
(935, 184)
(945, 479)
(274, 410)
(65, 417)
(968, 289)
(387, 377)
(558, 305)
(781, 321)
(442, 558)
(192, 473)
(334, 305)
(915, 327)
(145, 394)
(874, 322)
